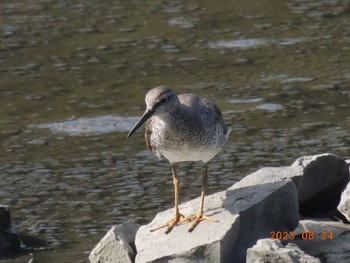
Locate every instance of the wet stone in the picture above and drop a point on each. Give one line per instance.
(37, 142)
(9, 240)
(181, 22)
(86, 30)
(103, 47)
(170, 48)
(297, 79)
(322, 87)
(10, 132)
(32, 66)
(270, 107)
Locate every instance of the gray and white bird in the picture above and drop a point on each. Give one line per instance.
(183, 128)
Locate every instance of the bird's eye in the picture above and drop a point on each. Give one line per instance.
(163, 101)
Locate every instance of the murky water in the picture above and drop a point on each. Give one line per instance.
(73, 79)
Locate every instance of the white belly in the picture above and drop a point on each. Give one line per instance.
(187, 155)
(179, 149)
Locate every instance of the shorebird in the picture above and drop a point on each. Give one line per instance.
(183, 128)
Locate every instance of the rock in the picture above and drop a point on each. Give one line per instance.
(263, 202)
(117, 245)
(326, 240)
(267, 250)
(344, 205)
(268, 175)
(324, 178)
(5, 218)
(38, 142)
(9, 240)
(323, 87)
(244, 214)
(319, 179)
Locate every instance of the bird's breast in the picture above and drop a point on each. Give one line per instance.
(179, 143)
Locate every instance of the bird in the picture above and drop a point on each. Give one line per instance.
(183, 128)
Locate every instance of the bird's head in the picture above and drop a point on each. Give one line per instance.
(160, 100)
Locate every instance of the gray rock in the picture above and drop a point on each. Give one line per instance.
(326, 240)
(344, 205)
(5, 217)
(264, 201)
(38, 142)
(319, 179)
(267, 250)
(9, 240)
(244, 214)
(324, 178)
(323, 87)
(117, 246)
(269, 175)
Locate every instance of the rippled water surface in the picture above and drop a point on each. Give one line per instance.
(73, 79)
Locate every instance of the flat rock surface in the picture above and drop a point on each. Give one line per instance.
(244, 215)
(158, 245)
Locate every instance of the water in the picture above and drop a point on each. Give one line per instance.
(73, 79)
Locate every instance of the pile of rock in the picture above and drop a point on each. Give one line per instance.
(257, 217)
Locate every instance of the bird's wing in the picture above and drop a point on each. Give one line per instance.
(200, 103)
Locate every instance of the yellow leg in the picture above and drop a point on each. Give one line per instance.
(178, 218)
(200, 216)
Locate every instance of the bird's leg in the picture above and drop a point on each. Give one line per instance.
(200, 216)
(178, 218)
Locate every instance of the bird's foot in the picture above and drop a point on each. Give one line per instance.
(198, 218)
(177, 220)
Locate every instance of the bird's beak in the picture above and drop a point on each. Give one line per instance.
(148, 114)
